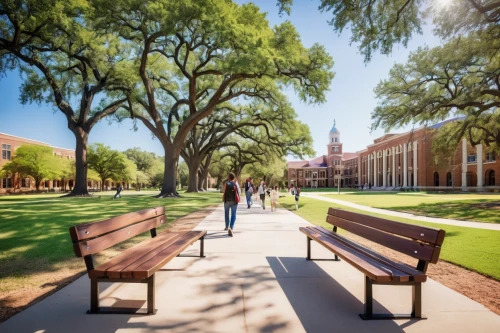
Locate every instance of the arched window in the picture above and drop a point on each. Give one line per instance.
(490, 178)
(436, 179)
(448, 179)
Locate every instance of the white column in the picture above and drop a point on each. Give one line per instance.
(368, 162)
(384, 168)
(415, 164)
(405, 165)
(393, 169)
(464, 164)
(375, 171)
(479, 152)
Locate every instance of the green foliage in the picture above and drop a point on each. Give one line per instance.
(149, 167)
(35, 161)
(110, 164)
(460, 78)
(378, 25)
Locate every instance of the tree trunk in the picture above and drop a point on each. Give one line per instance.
(200, 181)
(170, 175)
(37, 184)
(102, 184)
(193, 166)
(80, 185)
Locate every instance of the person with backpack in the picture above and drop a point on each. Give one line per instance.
(248, 191)
(297, 196)
(262, 194)
(231, 198)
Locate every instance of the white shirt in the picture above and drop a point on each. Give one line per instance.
(262, 189)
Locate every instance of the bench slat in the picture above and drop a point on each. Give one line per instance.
(418, 276)
(96, 245)
(403, 245)
(371, 268)
(150, 266)
(424, 234)
(95, 229)
(125, 269)
(131, 255)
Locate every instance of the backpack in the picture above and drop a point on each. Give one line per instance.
(298, 191)
(231, 192)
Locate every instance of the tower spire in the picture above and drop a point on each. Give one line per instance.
(334, 122)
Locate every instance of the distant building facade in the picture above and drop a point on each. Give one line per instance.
(396, 161)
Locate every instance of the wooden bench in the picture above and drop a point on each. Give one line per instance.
(137, 264)
(419, 242)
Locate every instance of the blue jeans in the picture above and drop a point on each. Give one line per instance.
(249, 198)
(230, 206)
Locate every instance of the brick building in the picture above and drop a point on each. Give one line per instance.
(9, 144)
(397, 161)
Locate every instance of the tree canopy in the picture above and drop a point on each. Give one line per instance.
(35, 161)
(378, 25)
(192, 56)
(110, 164)
(66, 63)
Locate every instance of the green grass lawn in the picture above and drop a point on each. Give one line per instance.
(34, 237)
(475, 249)
(471, 207)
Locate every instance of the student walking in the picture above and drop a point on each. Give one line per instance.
(118, 191)
(231, 197)
(262, 194)
(249, 191)
(274, 198)
(297, 196)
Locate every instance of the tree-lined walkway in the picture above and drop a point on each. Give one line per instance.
(256, 281)
(469, 224)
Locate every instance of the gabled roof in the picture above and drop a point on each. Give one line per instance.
(348, 156)
(297, 164)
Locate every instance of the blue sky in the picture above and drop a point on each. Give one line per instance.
(350, 100)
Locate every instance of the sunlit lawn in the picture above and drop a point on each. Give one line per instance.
(474, 207)
(34, 237)
(475, 249)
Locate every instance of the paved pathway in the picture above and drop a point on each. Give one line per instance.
(257, 281)
(468, 224)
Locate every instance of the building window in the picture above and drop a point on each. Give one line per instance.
(300, 174)
(436, 179)
(7, 182)
(472, 158)
(6, 153)
(322, 174)
(308, 174)
(449, 181)
(490, 156)
(337, 162)
(293, 172)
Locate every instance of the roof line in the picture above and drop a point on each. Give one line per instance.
(45, 143)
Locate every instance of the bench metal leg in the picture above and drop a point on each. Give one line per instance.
(202, 247)
(151, 295)
(308, 248)
(416, 312)
(309, 252)
(94, 296)
(416, 309)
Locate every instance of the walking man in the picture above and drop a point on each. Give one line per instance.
(262, 194)
(249, 191)
(118, 191)
(231, 197)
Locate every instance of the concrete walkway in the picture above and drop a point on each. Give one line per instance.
(468, 224)
(257, 281)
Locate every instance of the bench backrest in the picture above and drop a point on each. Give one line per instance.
(94, 237)
(422, 243)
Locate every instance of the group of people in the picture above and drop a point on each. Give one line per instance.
(261, 191)
(231, 198)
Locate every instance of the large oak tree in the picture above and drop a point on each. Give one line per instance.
(193, 56)
(64, 63)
